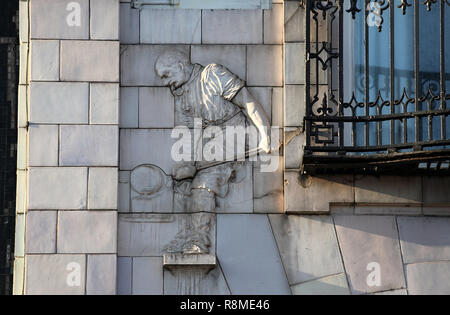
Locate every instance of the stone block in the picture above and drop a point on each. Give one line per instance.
(124, 191)
(332, 285)
(124, 275)
(295, 67)
(388, 209)
(87, 232)
(315, 194)
(238, 27)
(147, 276)
(388, 189)
(295, 105)
(59, 19)
(59, 103)
(294, 22)
(265, 65)
(94, 61)
(370, 239)
(105, 19)
(294, 148)
(103, 192)
(273, 25)
(138, 64)
(101, 271)
(41, 232)
(175, 26)
(45, 60)
(428, 278)
(268, 189)
(308, 246)
(393, 292)
(129, 107)
(129, 24)
(57, 188)
(89, 145)
(277, 107)
(243, 242)
(156, 108)
(435, 189)
(424, 239)
(231, 56)
(43, 145)
(55, 274)
(104, 103)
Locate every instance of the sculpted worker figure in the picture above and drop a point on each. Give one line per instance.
(219, 98)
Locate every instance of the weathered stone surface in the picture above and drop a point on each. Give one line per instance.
(393, 292)
(59, 102)
(103, 188)
(318, 194)
(294, 148)
(129, 107)
(428, 278)
(295, 69)
(138, 61)
(56, 19)
(240, 195)
(105, 19)
(295, 105)
(156, 108)
(55, 274)
(43, 145)
(424, 239)
(57, 188)
(388, 210)
(246, 241)
(388, 189)
(277, 106)
(263, 96)
(240, 27)
(90, 61)
(179, 260)
(41, 232)
(129, 24)
(147, 276)
(332, 285)
(435, 189)
(124, 275)
(45, 60)
(268, 189)
(104, 103)
(265, 65)
(124, 191)
(101, 271)
(308, 246)
(367, 239)
(231, 56)
(294, 20)
(176, 26)
(273, 25)
(87, 232)
(89, 146)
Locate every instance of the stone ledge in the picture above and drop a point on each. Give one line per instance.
(180, 260)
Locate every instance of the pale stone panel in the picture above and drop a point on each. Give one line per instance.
(295, 63)
(295, 105)
(174, 26)
(56, 19)
(234, 27)
(428, 278)
(277, 107)
(45, 60)
(388, 189)
(104, 103)
(129, 107)
(265, 65)
(308, 246)
(147, 276)
(129, 24)
(43, 145)
(138, 64)
(393, 292)
(142, 235)
(370, 239)
(137, 147)
(316, 193)
(240, 195)
(332, 285)
(19, 240)
(244, 242)
(424, 239)
(273, 25)
(124, 191)
(41, 232)
(124, 275)
(101, 271)
(57, 188)
(231, 56)
(90, 61)
(294, 149)
(156, 108)
(294, 22)
(105, 19)
(268, 188)
(435, 190)
(59, 102)
(55, 274)
(388, 210)
(103, 188)
(89, 146)
(87, 232)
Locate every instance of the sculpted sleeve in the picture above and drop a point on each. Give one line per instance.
(221, 81)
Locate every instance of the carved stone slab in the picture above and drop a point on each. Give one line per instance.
(179, 260)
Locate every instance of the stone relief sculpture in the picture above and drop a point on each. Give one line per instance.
(219, 98)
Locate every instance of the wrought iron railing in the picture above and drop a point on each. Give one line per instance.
(378, 123)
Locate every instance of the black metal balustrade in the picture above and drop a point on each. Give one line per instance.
(363, 132)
